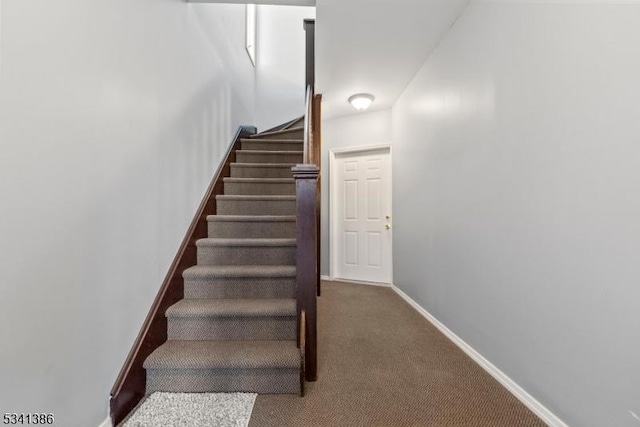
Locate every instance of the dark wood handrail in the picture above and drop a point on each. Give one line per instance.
(308, 126)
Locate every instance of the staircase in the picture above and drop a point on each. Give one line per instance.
(237, 309)
(235, 330)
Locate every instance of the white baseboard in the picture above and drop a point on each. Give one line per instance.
(359, 282)
(529, 401)
(327, 278)
(106, 423)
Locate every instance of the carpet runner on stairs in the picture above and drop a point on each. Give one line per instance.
(235, 329)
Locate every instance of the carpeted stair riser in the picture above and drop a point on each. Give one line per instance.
(210, 253)
(240, 287)
(297, 124)
(289, 134)
(261, 170)
(257, 156)
(272, 145)
(263, 381)
(260, 186)
(227, 282)
(224, 366)
(232, 320)
(232, 328)
(251, 205)
(252, 227)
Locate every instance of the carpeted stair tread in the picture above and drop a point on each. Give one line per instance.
(269, 156)
(262, 169)
(235, 271)
(263, 165)
(271, 153)
(225, 355)
(246, 251)
(201, 307)
(245, 242)
(261, 180)
(297, 123)
(254, 197)
(274, 140)
(240, 281)
(273, 144)
(251, 226)
(255, 186)
(280, 133)
(251, 218)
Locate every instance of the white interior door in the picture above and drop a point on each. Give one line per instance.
(361, 216)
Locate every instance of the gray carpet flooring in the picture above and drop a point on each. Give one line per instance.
(193, 410)
(382, 364)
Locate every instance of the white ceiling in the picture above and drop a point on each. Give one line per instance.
(375, 46)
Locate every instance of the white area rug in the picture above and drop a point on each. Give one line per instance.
(194, 410)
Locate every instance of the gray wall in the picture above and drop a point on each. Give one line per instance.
(280, 64)
(516, 198)
(114, 114)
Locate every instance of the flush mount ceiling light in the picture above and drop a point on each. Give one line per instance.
(361, 101)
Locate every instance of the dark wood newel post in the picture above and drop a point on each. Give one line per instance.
(306, 177)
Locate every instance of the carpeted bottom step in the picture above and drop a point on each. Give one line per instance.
(224, 366)
(245, 281)
(232, 319)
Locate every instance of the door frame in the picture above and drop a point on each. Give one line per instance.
(333, 206)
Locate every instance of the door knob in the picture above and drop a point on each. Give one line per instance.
(387, 227)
